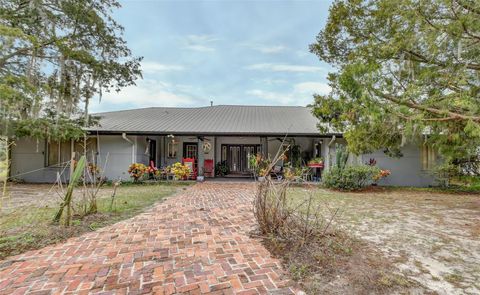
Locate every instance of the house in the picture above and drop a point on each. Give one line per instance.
(223, 133)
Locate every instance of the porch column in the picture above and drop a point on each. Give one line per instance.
(264, 144)
(201, 157)
(214, 147)
(327, 156)
(328, 145)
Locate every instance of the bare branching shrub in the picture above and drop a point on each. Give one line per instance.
(298, 222)
(300, 228)
(278, 216)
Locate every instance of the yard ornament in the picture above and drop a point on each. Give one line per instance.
(207, 147)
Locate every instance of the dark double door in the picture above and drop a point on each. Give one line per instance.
(237, 156)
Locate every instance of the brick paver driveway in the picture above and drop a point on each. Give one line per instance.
(195, 242)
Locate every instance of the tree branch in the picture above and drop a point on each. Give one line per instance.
(411, 104)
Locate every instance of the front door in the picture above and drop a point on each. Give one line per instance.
(190, 150)
(153, 151)
(237, 157)
(247, 152)
(234, 158)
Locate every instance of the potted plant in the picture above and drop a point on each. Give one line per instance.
(180, 170)
(316, 162)
(259, 166)
(263, 172)
(221, 168)
(152, 172)
(136, 171)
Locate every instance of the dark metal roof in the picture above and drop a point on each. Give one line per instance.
(221, 119)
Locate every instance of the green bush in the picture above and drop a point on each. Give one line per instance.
(221, 168)
(350, 178)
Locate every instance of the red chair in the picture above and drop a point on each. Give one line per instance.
(190, 162)
(208, 168)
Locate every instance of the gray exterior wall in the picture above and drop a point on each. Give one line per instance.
(115, 154)
(406, 171)
(28, 163)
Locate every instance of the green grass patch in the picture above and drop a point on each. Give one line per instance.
(31, 227)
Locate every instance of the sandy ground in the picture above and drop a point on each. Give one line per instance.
(38, 195)
(434, 238)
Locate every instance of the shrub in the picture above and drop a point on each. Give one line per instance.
(180, 170)
(351, 177)
(259, 165)
(136, 171)
(221, 168)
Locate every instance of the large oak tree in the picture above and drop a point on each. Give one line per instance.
(55, 56)
(406, 70)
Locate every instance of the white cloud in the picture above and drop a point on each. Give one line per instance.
(284, 68)
(150, 67)
(271, 49)
(312, 87)
(266, 48)
(303, 53)
(201, 48)
(301, 93)
(201, 38)
(147, 93)
(202, 43)
(269, 81)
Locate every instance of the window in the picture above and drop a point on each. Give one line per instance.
(91, 152)
(428, 157)
(190, 150)
(172, 149)
(59, 153)
(224, 152)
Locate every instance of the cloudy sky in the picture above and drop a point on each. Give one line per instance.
(252, 52)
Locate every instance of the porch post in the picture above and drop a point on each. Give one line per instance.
(327, 152)
(201, 156)
(264, 143)
(327, 157)
(214, 146)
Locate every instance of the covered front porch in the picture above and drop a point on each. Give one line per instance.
(228, 155)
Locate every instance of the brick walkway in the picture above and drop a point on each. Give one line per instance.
(193, 243)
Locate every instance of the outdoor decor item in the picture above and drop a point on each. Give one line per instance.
(207, 146)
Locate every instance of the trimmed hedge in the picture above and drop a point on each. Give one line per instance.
(350, 178)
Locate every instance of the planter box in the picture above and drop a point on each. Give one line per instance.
(315, 165)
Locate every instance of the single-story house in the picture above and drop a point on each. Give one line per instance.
(222, 133)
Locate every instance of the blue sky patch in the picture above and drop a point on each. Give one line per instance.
(231, 52)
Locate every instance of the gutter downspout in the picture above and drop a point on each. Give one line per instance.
(328, 156)
(332, 140)
(124, 136)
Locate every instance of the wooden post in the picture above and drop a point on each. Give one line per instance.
(7, 168)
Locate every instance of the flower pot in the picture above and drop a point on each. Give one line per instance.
(200, 178)
(261, 178)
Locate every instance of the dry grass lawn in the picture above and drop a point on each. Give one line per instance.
(430, 237)
(26, 215)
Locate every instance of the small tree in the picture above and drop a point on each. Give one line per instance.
(67, 200)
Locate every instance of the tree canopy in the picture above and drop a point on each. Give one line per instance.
(406, 70)
(54, 57)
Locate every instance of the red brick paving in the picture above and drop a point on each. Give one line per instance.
(193, 243)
